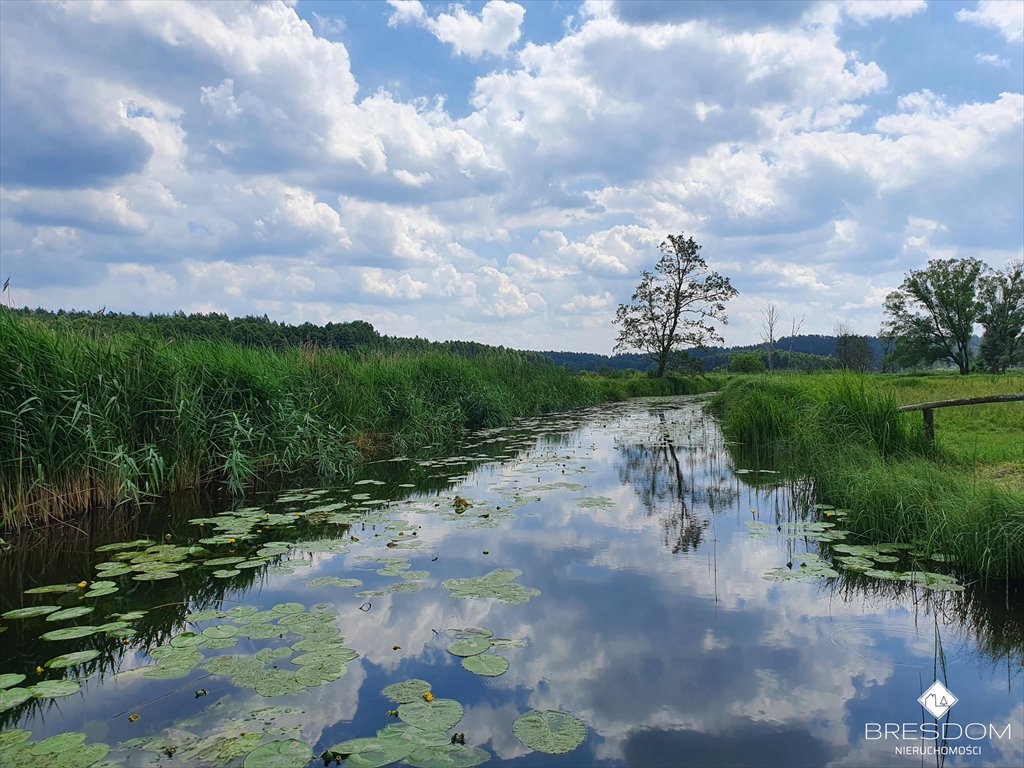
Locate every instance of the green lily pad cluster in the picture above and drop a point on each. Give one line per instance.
(67, 750)
(318, 653)
(45, 689)
(551, 731)
(499, 584)
(471, 645)
(805, 567)
(421, 739)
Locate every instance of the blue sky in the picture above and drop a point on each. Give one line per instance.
(502, 171)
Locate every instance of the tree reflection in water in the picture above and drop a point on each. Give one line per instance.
(675, 477)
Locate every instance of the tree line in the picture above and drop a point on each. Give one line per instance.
(931, 318)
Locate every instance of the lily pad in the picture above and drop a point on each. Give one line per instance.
(70, 613)
(334, 581)
(225, 574)
(486, 664)
(552, 732)
(407, 690)
(10, 679)
(51, 689)
(52, 589)
(278, 682)
(280, 753)
(12, 697)
(29, 613)
(54, 745)
(372, 752)
(448, 756)
(220, 631)
(69, 633)
(122, 545)
(13, 738)
(470, 646)
(84, 756)
(436, 715)
(70, 659)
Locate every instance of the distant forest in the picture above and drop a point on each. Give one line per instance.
(806, 352)
(809, 352)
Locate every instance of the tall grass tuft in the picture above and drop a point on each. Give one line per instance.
(97, 420)
(847, 433)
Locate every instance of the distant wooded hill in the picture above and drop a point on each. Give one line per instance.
(806, 352)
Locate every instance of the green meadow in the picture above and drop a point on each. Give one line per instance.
(962, 497)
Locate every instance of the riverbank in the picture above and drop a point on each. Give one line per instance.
(95, 420)
(958, 499)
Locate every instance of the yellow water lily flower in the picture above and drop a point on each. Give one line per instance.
(39, 670)
(428, 696)
(83, 584)
(133, 717)
(231, 541)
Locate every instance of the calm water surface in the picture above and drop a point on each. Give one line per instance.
(653, 624)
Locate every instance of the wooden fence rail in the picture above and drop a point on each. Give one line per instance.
(929, 418)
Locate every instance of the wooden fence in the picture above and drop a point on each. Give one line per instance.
(929, 417)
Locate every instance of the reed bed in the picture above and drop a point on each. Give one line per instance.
(845, 432)
(91, 420)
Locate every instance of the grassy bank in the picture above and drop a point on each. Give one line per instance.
(845, 431)
(90, 420)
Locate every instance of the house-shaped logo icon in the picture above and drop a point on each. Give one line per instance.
(938, 699)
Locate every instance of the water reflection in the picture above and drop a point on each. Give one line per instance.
(661, 655)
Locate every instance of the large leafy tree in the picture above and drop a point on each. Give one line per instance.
(933, 314)
(1002, 298)
(675, 305)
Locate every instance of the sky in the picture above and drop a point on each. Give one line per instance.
(502, 171)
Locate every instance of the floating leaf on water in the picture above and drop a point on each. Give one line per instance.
(330, 654)
(69, 633)
(313, 675)
(51, 689)
(552, 732)
(70, 613)
(251, 564)
(54, 745)
(101, 592)
(486, 664)
(496, 584)
(186, 640)
(285, 609)
(470, 646)
(155, 575)
(886, 575)
(225, 574)
(70, 659)
(407, 690)
(28, 613)
(225, 561)
(13, 697)
(508, 642)
(13, 738)
(448, 756)
(10, 679)
(281, 753)
(270, 655)
(168, 671)
(220, 631)
(112, 569)
(137, 544)
(372, 752)
(439, 714)
(414, 575)
(334, 581)
(405, 586)
(936, 582)
(205, 615)
(854, 563)
(941, 558)
(52, 589)
(278, 682)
